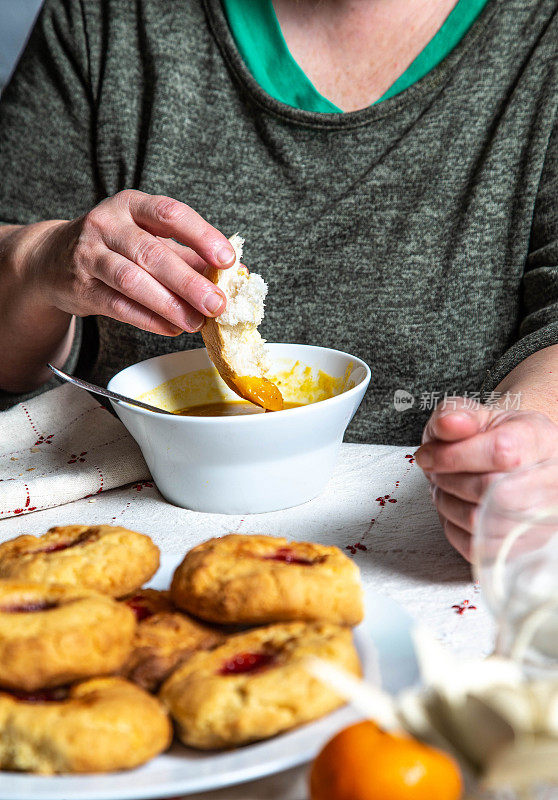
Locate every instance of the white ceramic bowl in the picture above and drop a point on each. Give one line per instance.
(241, 464)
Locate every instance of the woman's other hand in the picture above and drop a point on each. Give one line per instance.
(465, 449)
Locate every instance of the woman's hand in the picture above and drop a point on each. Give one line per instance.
(119, 260)
(465, 449)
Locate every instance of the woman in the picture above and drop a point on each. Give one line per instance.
(392, 165)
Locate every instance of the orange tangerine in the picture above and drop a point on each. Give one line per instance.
(363, 762)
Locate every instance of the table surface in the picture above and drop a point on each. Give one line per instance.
(376, 508)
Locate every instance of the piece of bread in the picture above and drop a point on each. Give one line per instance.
(232, 339)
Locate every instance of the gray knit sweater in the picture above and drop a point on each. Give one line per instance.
(420, 234)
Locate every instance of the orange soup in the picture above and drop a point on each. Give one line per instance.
(226, 409)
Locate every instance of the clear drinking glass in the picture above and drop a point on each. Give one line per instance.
(516, 561)
(515, 551)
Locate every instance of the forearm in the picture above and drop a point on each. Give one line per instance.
(535, 380)
(32, 330)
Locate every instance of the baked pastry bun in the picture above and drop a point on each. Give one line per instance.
(101, 725)
(105, 558)
(252, 580)
(52, 635)
(232, 339)
(256, 685)
(146, 603)
(164, 638)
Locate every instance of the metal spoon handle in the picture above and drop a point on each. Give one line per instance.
(91, 387)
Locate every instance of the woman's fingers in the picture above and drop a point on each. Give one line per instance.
(459, 539)
(469, 486)
(186, 254)
(169, 269)
(163, 216)
(451, 423)
(465, 450)
(521, 438)
(120, 260)
(137, 284)
(460, 512)
(109, 303)
(484, 452)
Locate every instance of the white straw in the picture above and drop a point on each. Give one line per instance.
(529, 627)
(370, 701)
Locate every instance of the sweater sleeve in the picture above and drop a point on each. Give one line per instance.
(47, 113)
(47, 168)
(539, 322)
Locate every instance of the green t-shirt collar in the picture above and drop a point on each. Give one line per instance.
(260, 41)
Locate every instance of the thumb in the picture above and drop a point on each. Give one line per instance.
(453, 421)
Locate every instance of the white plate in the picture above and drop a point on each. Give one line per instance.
(383, 641)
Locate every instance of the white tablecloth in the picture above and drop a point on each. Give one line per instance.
(376, 507)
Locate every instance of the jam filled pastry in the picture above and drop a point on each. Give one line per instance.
(100, 725)
(244, 580)
(105, 558)
(145, 603)
(165, 637)
(52, 634)
(256, 684)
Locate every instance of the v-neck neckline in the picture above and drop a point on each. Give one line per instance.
(433, 81)
(262, 45)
